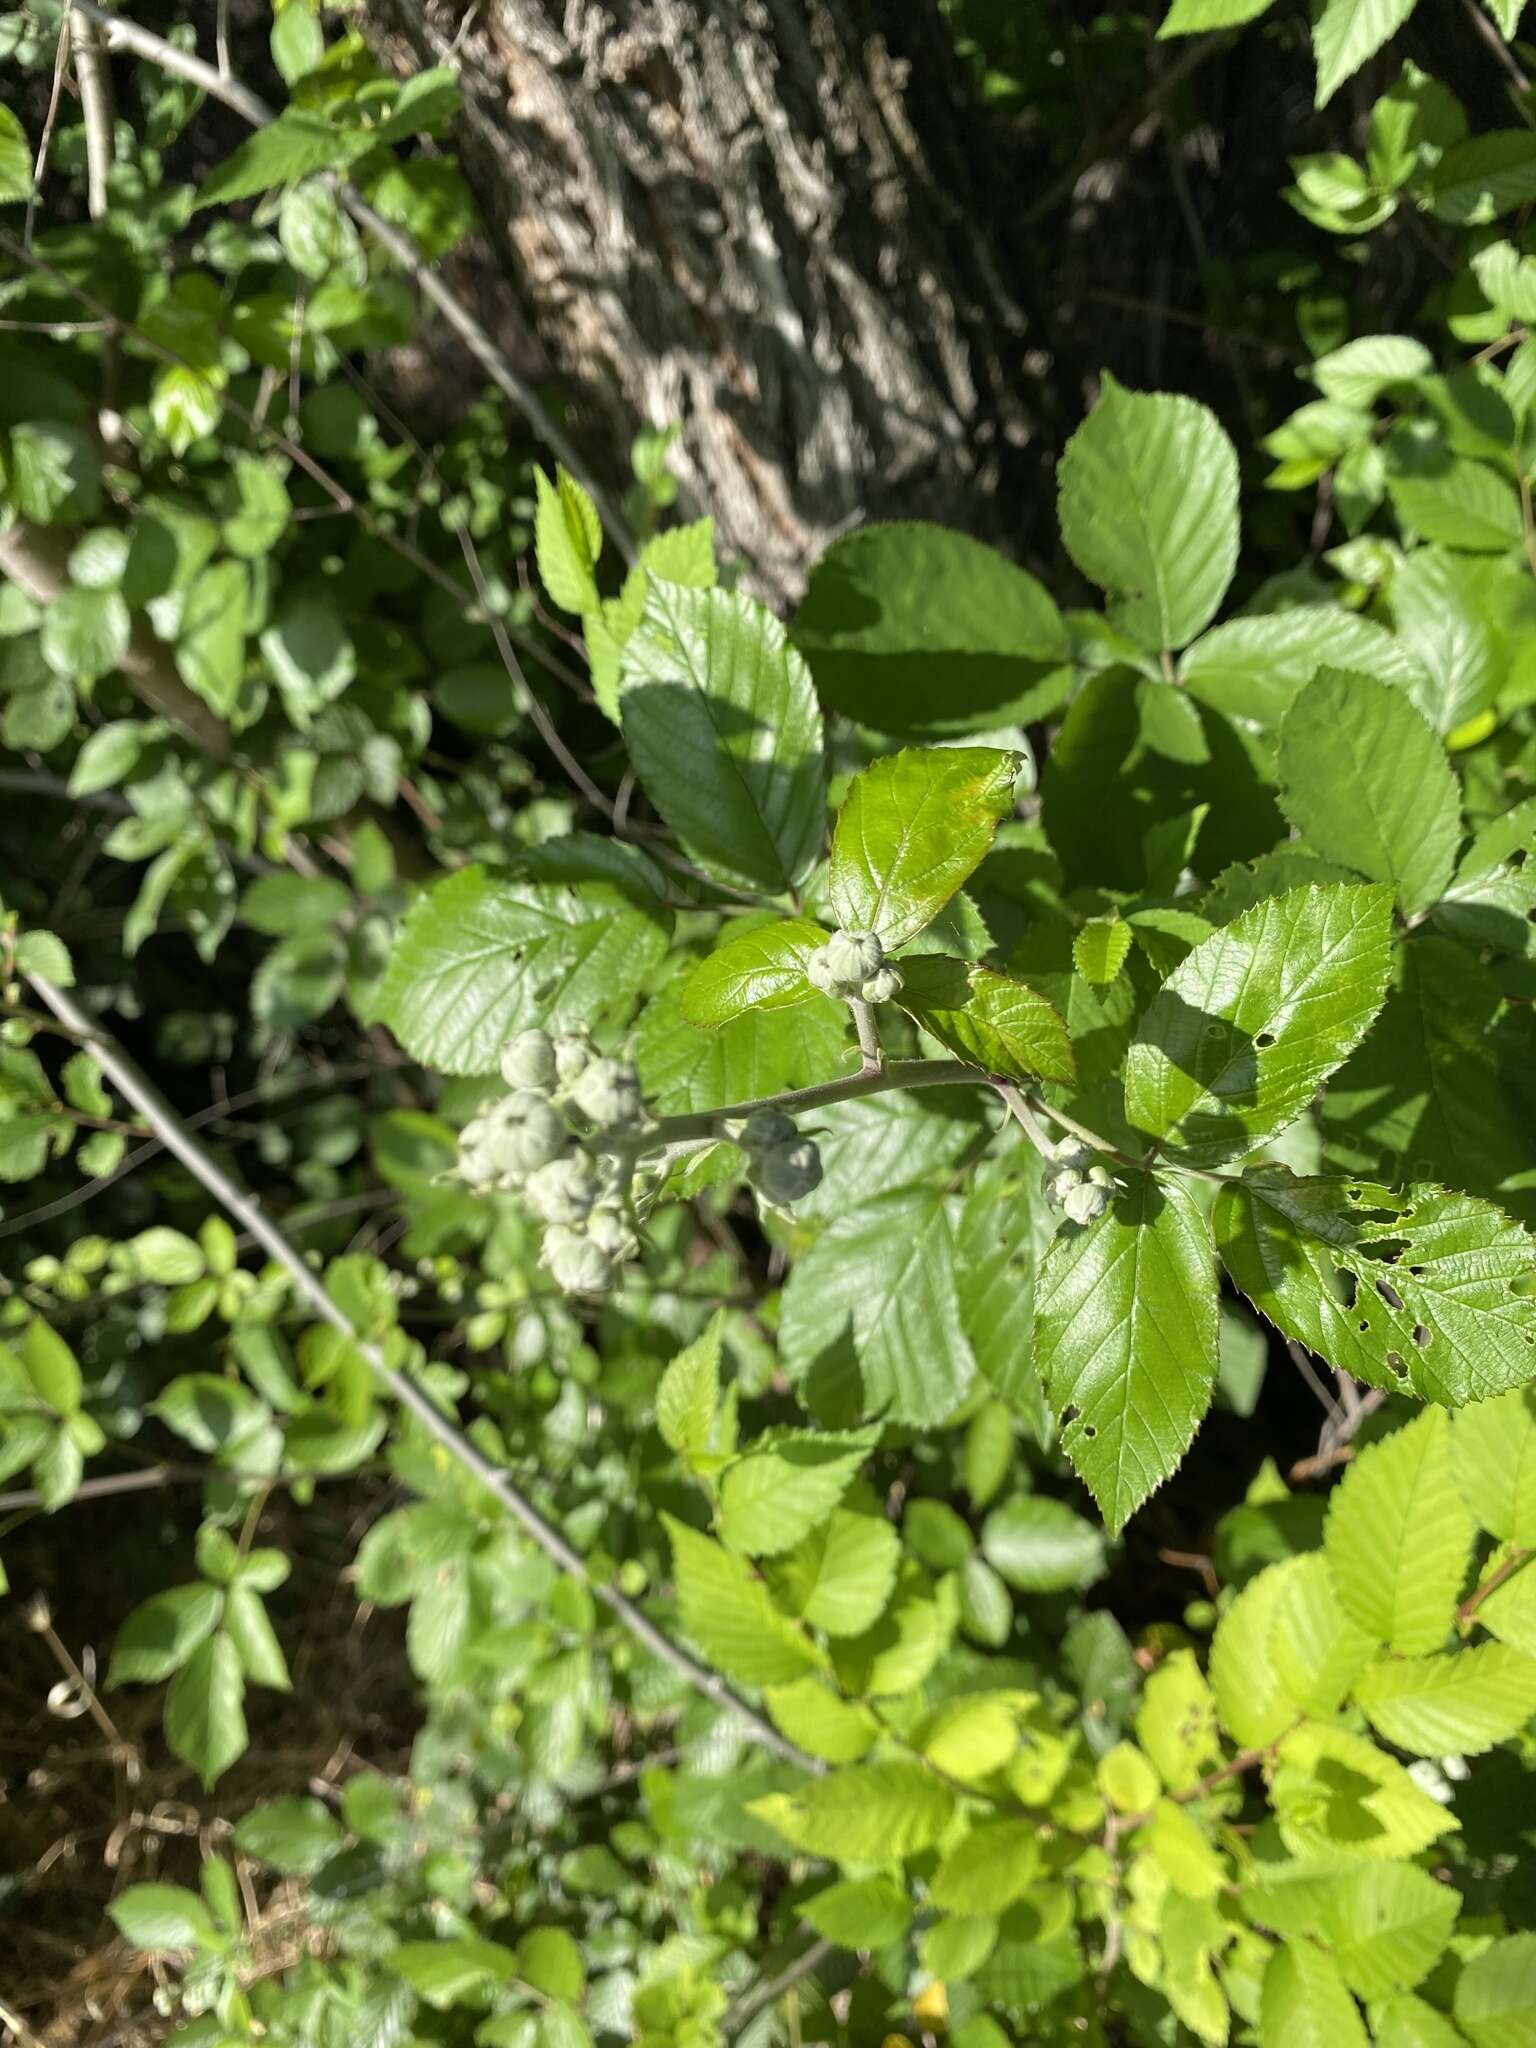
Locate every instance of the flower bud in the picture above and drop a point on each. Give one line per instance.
(788, 1173)
(607, 1092)
(1086, 1202)
(574, 1051)
(1072, 1152)
(608, 1228)
(576, 1264)
(528, 1061)
(842, 966)
(510, 1139)
(766, 1128)
(564, 1190)
(883, 986)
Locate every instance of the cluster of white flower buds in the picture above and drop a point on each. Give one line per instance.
(782, 1166)
(852, 966)
(1076, 1183)
(544, 1141)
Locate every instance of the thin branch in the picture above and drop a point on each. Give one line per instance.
(675, 1130)
(736, 2016)
(1501, 51)
(95, 81)
(50, 121)
(124, 34)
(243, 1208)
(1506, 1570)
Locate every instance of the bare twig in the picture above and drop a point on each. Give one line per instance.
(95, 81)
(748, 2007)
(246, 1211)
(50, 122)
(1506, 1570)
(1500, 50)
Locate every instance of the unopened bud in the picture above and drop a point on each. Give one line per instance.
(576, 1264)
(528, 1061)
(564, 1190)
(608, 1093)
(1086, 1202)
(574, 1052)
(883, 986)
(842, 966)
(608, 1228)
(788, 1173)
(766, 1128)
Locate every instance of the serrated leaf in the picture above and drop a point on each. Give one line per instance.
(839, 1577)
(868, 1813)
(290, 147)
(1176, 1722)
(1419, 1289)
(860, 1912)
(882, 1273)
(1305, 2004)
(911, 829)
(1458, 500)
(997, 1024)
(1493, 1454)
(1366, 781)
(762, 968)
(1347, 32)
(816, 1720)
(1126, 1340)
(689, 1393)
(567, 539)
(760, 1052)
(725, 734)
(1317, 1650)
(1495, 2003)
(1148, 500)
(204, 1710)
(1040, 1545)
(1455, 1704)
(1234, 1045)
(1484, 176)
(1506, 14)
(1100, 948)
(1336, 1795)
(1253, 669)
(478, 958)
(161, 1634)
(914, 629)
(162, 1916)
(787, 1483)
(1398, 1537)
(1252, 1696)
(989, 1868)
(1197, 17)
(727, 1611)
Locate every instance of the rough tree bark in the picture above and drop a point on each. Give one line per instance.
(769, 220)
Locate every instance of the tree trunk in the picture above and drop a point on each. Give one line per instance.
(762, 219)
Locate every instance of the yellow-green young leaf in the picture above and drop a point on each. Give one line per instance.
(15, 160)
(1127, 1780)
(549, 1960)
(1126, 1340)
(785, 1484)
(205, 1709)
(728, 1613)
(1255, 1703)
(1337, 1795)
(811, 1715)
(567, 540)
(1039, 1545)
(1176, 1722)
(683, 554)
(1435, 1297)
(1233, 1046)
(1388, 1925)
(1407, 2022)
(762, 968)
(950, 1951)
(1508, 1611)
(1148, 500)
(1318, 1651)
(162, 1916)
(51, 1367)
(989, 1868)
(1457, 1704)
(725, 734)
(1507, 14)
(1193, 1933)
(1346, 32)
(689, 1393)
(1197, 17)
(868, 1813)
(997, 1024)
(441, 1971)
(1099, 950)
(1398, 1537)
(1495, 2002)
(912, 827)
(970, 1737)
(1305, 2003)
(1455, 499)
(1493, 1454)
(1366, 781)
(898, 1654)
(860, 1912)
(840, 1577)
(1187, 1857)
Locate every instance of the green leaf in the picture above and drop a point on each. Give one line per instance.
(1358, 373)
(1317, 1650)
(1252, 1695)
(1422, 1290)
(1148, 492)
(684, 1069)
(785, 1484)
(1366, 781)
(1305, 2004)
(1507, 14)
(725, 734)
(478, 958)
(1196, 17)
(210, 640)
(249, 1629)
(1493, 1454)
(999, 1025)
(884, 1270)
(1440, 610)
(1496, 1994)
(159, 1636)
(1233, 1047)
(1345, 33)
(683, 554)
(284, 903)
(55, 471)
(989, 1868)
(1458, 1704)
(1099, 951)
(1456, 500)
(1176, 1722)
(1387, 1923)
(860, 1912)
(1125, 1339)
(166, 1256)
(15, 160)
(294, 1835)
(1040, 1546)
(812, 1716)
(204, 1710)
(1398, 1537)
(868, 1813)
(549, 1960)
(291, 147)
(163, 1916)
(727, 1611)
(689, 1394)
(912, 827)
(762, 968)
(85, 634)
(1407, 2022)
(840, 1577)
(1478, 179)
(51, 1367)
(1336, 1795)
(440, 1971)
(916, 630)
(567, 539)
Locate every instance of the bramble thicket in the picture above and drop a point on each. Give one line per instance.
(768, 1305)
